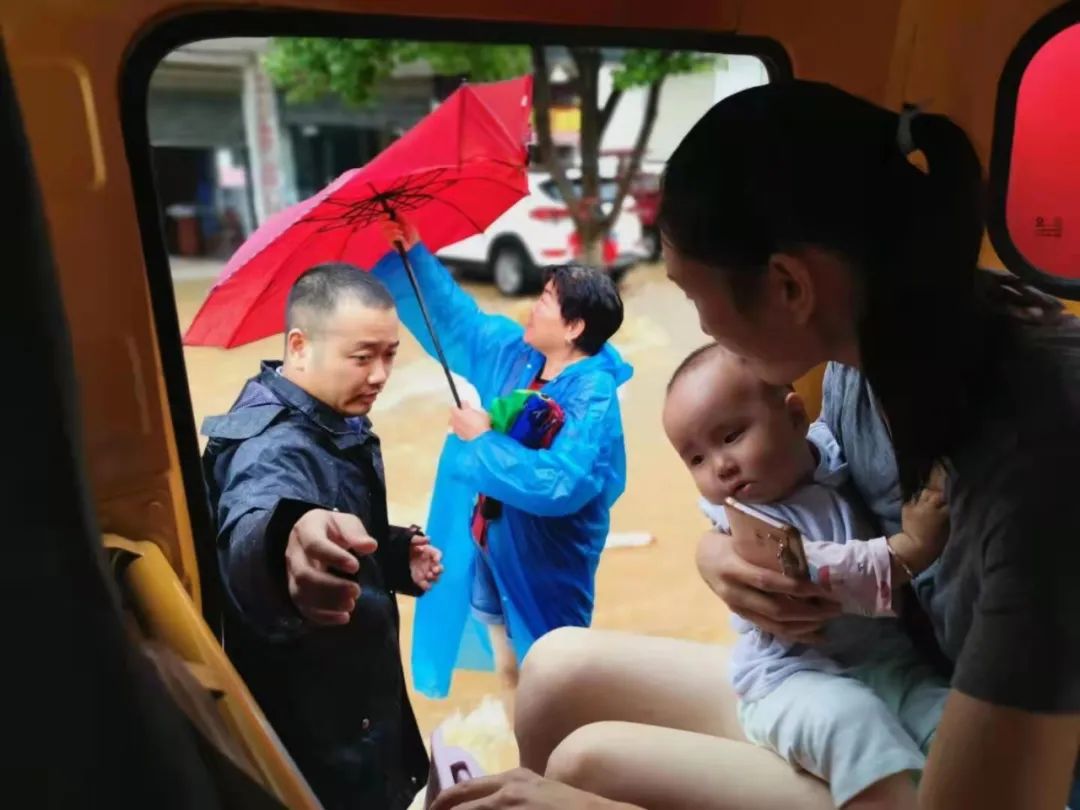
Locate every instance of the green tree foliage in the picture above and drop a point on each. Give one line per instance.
(308, 68)
(352, 69)
(641, 67)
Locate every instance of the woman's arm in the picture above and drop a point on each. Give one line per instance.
(862, 574)
(470, 337)
(550, 482)
(790, 609)
(996, 758)
(1010, 734)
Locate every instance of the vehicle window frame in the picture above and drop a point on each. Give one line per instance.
(1008, 93)
(165, 35)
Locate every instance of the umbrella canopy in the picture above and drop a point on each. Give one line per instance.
(452, 174)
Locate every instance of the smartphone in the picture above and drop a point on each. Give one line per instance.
(766, 541)
(450, 766)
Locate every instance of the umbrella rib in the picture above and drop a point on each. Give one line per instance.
(404, 192)
(375, 193)
(424, 182)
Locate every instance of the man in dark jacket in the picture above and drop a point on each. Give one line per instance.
(308, 559)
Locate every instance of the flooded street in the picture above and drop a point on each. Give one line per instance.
(651, 589)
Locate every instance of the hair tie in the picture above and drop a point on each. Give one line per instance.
(904, 139)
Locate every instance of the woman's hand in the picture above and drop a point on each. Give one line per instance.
(399, 230)
(468, 423)
(791, 609)
(520, 789)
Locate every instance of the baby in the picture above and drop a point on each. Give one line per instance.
(859, 710)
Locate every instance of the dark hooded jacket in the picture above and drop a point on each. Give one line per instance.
(335, 695)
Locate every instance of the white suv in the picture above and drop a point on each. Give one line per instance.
(538, 231)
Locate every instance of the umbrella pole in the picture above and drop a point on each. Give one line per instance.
(427, 320)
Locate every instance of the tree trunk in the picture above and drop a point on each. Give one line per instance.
(593, 227)
(648, 121)
(542, 108)
(592, 249)
(608, 112)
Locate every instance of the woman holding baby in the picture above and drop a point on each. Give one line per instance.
(797, 220)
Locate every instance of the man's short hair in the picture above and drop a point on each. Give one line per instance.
(588, 295)
(316, 294)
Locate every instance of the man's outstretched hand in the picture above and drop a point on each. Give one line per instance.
(322, 546)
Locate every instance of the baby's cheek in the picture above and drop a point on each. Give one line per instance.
(709, 488)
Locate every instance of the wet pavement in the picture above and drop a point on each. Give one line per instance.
(652, 589)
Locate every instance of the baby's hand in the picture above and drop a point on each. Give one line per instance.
(925, 524)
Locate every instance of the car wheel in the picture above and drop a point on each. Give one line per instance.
(650, 244)
(511, 269)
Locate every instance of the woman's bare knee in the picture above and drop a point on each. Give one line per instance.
(555, 654)
(575, 677)
(544, 710)
(588, 758)
(554, 664)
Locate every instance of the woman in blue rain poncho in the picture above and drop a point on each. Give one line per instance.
(532, 565)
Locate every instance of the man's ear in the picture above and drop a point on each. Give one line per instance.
(796, 410)
(297, 349)
(791, 285)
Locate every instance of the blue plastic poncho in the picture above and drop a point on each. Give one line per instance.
(545, 547)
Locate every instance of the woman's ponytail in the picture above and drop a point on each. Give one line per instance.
(946, 352)
(954, 195)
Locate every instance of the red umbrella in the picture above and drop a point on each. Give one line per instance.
(453, 174)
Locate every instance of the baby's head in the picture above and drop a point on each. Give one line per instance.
(738, 436)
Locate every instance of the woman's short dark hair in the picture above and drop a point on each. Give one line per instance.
(588, 295)
(781, 167)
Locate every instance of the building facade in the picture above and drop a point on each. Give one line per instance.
(229, 151)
